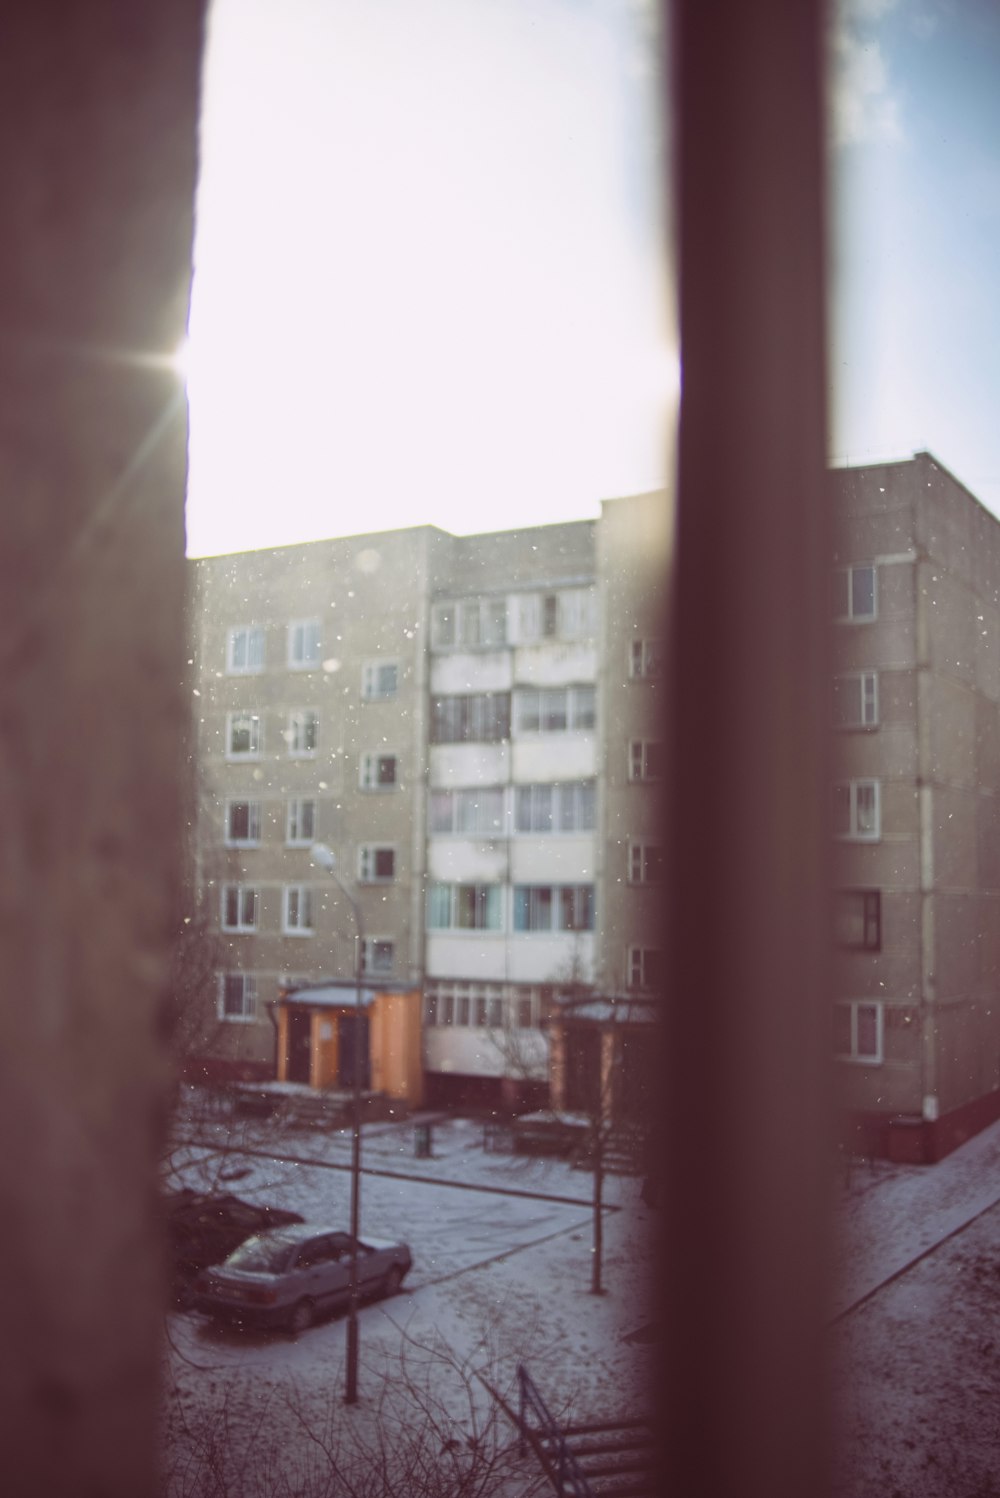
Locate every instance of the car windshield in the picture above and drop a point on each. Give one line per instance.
(263, 1254)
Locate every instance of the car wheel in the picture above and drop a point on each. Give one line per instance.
(392, 1281)
(302, 1317)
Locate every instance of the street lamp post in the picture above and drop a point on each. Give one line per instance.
(325, 859)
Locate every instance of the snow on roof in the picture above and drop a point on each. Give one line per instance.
(608, 1011)
(330, 995)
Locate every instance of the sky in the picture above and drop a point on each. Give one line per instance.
(430, 280)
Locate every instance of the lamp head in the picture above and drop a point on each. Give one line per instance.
(323, 856)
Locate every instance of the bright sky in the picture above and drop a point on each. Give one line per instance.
(428, 283)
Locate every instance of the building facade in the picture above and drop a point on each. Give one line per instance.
(438, 711)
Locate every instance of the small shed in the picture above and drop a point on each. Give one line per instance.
(331, 1033)
(602, 1057)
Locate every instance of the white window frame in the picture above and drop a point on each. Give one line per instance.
(637, 977)
(256, 735)
(252, 840)
(485, 895)
(251, 638)
(460, 800)
(248, 1011)
(638, 760)
(585, 894)
(856, 834)
(566, 801)
(645, 659)
(305, 644)
(531, 705)
(300, 719)
(246, 895)
(294, 836)
(853, 1056)
(867, 685)
(371, 673)
(642, 867)
(851, 617)
(471, 623)
(367, 860)
(296, 903)
(368, 771)
(378, 969)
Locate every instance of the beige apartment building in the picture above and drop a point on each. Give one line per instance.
(437, 710)
(916, 821)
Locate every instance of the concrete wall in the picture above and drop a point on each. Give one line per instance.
(99, 114)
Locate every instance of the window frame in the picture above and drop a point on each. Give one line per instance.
(245, 893)
(638, 761)
(536, 710)
(457, 798)
(855, 834)
(304, 632)
(645, 659)
(853, 1056)
(248, 1001)
(528, 901)
(256, 734)
(470, 718)
(852, 616)
(368, 856)
(369, 941)
(638, 959)
(870, 920)
(254, 819)
(646, 860)
(302, 895)
(487, 899)
(371, 672)
(866, 698)
(293, 818)
(297, 732)
(368, 771)
(254, 635)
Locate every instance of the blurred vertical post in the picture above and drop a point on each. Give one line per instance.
(98, 139)
(746, 1038)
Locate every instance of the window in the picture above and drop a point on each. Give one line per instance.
(475, 813)
(540, 907)
(297, 915)
(242, 824)
(377, 954)
(856, 811)
(469, 624)
(645, 863)
(239, 907)
(550, 616)
(645, 968)
(554, 709)
(855, 700)
(379, 679)
(464, 907)
(304, 644)
(645, 659)
(244, 735)
(478, 1005)
(302, 733)
(857, 915)
(245, 650)
(378, 772)
(854, 594)
(237, 996)
(300, 827)
(565, 806)
(646, 759)
(482, 718)
(376, 865)
(858, 1027)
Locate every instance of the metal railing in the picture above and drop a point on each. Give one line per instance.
(559, 1460)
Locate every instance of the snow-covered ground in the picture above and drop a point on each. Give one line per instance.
(502, 1275)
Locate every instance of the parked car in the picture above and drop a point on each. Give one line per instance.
(288, 1276)
(204, 1229)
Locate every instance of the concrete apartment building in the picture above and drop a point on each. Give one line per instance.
(916, 819)
(429, 706)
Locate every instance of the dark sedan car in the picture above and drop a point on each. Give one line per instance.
(288, 1275)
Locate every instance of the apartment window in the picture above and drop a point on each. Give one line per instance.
(644, 968)
(857, 915)
(379, 679)
(302, 733)
(469, 624)
(854, 594)
(242, 824)
(304, 644)
(376, 865)
(855, 700)
(645, 658)
(565, 806)
(480, 718)
(540, 907)
(244, 735)
(554, 709)
(297, 915)
(245, 650)
(858, 1031)
(472, 813)
(237, 996)
(464, 907)
(239, 907)
(478, 1005)
(378, 772)
(646, 863)
(300, 826)
(856, 811)
(377, 954)
(646, 758)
